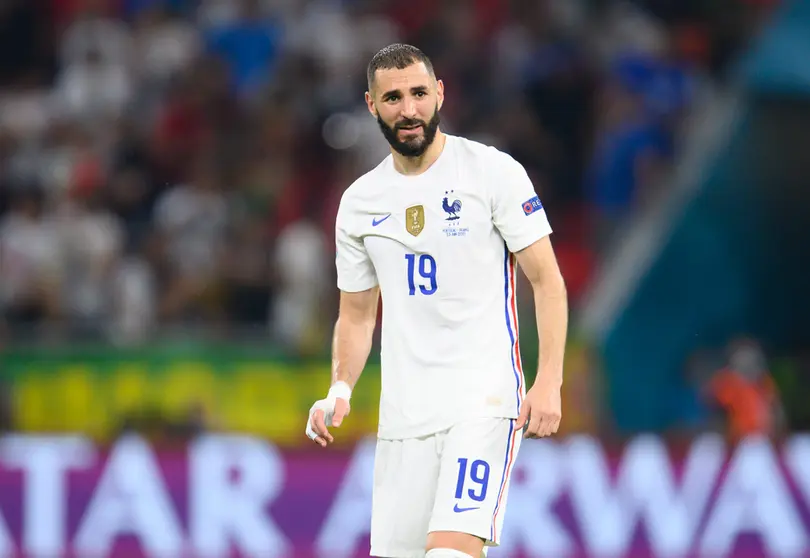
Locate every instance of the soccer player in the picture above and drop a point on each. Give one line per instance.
(436, 229)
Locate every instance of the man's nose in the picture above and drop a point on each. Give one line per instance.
(409, 108)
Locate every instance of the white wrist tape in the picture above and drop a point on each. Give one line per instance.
(340, 390)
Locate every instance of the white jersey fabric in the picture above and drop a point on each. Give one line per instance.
(439, 245)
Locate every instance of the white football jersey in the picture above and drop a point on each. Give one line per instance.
(440, 246)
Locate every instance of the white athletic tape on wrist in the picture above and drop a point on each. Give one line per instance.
(340, 390)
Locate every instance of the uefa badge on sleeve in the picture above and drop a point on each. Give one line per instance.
(532, 205)
(415, 219)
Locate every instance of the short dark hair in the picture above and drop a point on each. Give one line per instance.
(398, 56)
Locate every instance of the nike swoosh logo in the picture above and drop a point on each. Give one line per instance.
(460, 510)
(375, 222)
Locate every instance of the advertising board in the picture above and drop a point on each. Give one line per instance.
(226, 495)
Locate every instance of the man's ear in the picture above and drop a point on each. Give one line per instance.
(370, 104)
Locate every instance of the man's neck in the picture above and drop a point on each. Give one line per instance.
(418, 165)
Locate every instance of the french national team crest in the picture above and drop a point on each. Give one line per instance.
(452, 206)
(415, 219)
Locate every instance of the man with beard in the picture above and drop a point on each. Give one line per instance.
(437, 229)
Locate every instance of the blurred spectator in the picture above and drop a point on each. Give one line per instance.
(746, 393)
(91, 244)
(133, 301)
(631, 152)
(191, 221)
(248, 277)
(181, 128)
(249, 44)
(90, 88)
(95, 30)
(96, 61)
(29, 262)
(164, 44)
(300, 262)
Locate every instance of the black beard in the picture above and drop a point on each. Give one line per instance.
(414, 147)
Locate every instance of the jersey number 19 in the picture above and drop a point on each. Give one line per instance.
(427, 271)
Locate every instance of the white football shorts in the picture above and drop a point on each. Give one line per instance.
(454, 480)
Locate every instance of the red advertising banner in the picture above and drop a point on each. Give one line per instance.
(240, 496)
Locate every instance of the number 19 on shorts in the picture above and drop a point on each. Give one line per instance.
(477, 474)
(426, 268)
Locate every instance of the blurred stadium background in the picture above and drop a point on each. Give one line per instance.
(169, 176)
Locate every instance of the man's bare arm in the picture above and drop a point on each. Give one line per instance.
(351, 345)
(354, 331)
(541, 411)
(539, 264)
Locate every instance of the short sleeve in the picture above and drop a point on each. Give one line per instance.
(517, 211)
(355, 272)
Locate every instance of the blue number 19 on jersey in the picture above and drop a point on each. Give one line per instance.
(427, 270)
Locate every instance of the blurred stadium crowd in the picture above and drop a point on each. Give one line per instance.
(171, 169)
(171, 163)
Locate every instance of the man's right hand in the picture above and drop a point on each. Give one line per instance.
(328, 412)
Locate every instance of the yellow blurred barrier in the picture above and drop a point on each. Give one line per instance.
(94, 391)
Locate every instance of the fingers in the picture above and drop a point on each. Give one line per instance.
(341, 410)
(555, 425)
(313, 436)
(523, 419)
(542, 426)
(319, 426)
(533, 428)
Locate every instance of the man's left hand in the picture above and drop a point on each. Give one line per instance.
(541, 411)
